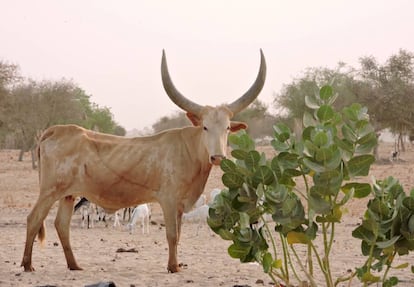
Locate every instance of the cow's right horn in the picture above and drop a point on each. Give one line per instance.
(173, 93)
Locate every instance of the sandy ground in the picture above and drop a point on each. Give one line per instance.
(205, 258)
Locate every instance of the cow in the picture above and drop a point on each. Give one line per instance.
(114, 172)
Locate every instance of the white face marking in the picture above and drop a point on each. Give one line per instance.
(216, 124)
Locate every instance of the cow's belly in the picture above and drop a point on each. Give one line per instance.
(113, 196)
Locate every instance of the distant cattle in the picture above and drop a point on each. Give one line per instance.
(114, 172)
(142, 215)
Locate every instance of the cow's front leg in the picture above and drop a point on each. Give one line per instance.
(172, 219)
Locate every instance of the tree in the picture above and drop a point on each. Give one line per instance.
(176, 120)
(34, 106)
(260, 122)
(291, 101)
(388, 91)
(9, 75)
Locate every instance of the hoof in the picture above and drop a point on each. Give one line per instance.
(28, 268)
(173, 269)
(74, 268)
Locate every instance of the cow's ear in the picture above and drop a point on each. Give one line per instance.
(196, 121)
(235, 126)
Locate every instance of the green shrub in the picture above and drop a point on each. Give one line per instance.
(333, 149)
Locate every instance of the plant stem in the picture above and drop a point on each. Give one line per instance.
(388, 266)
(321, 265)
(310, 277)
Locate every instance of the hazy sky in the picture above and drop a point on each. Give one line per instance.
(112, 49)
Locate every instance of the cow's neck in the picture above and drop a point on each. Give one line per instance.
(198, 156)
(196, 149)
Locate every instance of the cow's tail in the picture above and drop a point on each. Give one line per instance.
(41, 235)
(46, 134)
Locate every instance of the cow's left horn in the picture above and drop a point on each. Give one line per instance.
(173, 93)
(254, 90)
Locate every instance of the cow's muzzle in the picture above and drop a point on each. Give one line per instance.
(216, 159)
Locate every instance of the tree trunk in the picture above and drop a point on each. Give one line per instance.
(401, 142)
(376, 153)
(21, 154)
(34, 158)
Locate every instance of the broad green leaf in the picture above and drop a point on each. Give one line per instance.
(279, 146)
(227, 165)
(234, 139)
(320, 139)
(307, 133)
(318, 204)
(351, 112)
(310, 148)
(323, 155)
(313, 165)
(325, 113)
(275, 167)
(388, 243)
(362, 233)
(344, 144)
(311, 102)
(359, 165)
(368, 138)
(335, 160)
(379, 207)
(282, 132)
(245, 236)
(252, 159)
(308, 120)
(348, 133)
(245, 143)
(409, 203)
(369, 277)
(225, 234)
(326, 92)
(244, 220)
(263, 175)
(237, 251)
(292, 172)
(267, 262)
(239, 154)
(288, 160)
(232, 180)
(361, 190)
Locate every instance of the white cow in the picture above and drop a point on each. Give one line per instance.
(142, 214)
(198, 215)
(214, 193)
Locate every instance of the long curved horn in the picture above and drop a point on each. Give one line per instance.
(173, 93)
(254, 90)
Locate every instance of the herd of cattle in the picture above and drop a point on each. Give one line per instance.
(141, 214)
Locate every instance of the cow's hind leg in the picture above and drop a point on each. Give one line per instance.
(172, 218)
(35, 225)
(62, 224)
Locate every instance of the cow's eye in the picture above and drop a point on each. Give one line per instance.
(228, 128)
(205, 128)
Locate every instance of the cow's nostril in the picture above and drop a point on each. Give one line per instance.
(216, 159)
